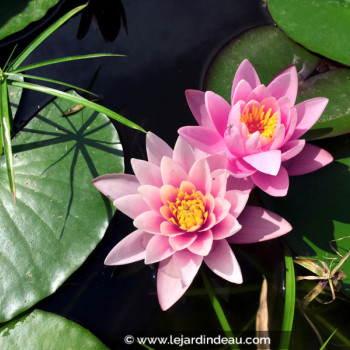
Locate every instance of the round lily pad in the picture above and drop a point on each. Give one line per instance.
(321, 26)
(58, 217)
(43, 330)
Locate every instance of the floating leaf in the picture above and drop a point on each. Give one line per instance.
(318, 205)
(59, 217)
(267, 48)
(14, 18)
(335, 85)
(43, 330)
(320, 26)
(15, 94)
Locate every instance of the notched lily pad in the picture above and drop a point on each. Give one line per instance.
(321, 26)
(43, 330)
(267, 48)
(59, 217)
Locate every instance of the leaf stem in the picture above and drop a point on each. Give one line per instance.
(217, 308)
(289, 305)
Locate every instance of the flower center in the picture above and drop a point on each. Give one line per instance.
(188, 210)
(259, 120)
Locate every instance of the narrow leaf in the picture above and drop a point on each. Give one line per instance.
(6, 136)
(38, 40)
(289, 305)
(78, 100)
(62, 60)
(217, 308)
(11, 75)
(9, 58)
(327, 341)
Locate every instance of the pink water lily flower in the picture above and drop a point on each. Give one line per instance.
(185, 213)
(260, 131)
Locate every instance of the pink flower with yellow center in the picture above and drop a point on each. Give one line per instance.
(185, 211)
(260, 131)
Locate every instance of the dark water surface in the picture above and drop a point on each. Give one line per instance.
(168, 45)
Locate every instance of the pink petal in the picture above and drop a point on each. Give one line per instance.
(223, 262)
(205, 139)
(172, 172)
(132, 248)
(234, 117)
(308, 113)
(158, 248)
(116, 185)
(221, 209)
(218, 109)
(168, 193)
(226, 228)
(267, 162)
(238, 167)
(309, 159)
(146, 172)
(234, 142)
(292, 148)
(241, 184)
(278, 139)
(285, 84)
(245, 72)
(259, 224)
(211, 221)
(156, 149)
(242, 91)
(292, 125)
(196, 102)
(219, 180)
(151, 195)
(200, 176)
(209, 203)
(132, 205)
(276, 186)
(170, 288)
(182, 241)
(285, 110)
(238, 200)
(202, 245)
(170, 229)
(187, 187)
(187, 264)
(216, 161)
(253, 144)
(149, 221)
(183, 154)
(259, 94)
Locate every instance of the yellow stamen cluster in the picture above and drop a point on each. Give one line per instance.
(188, 210)
(258, 120)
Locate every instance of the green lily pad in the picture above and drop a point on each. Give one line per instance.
(43, 330)
(15, 16)
(335, 119)
(269, 51)
(321, 26)
(317, 206)
(58, 217)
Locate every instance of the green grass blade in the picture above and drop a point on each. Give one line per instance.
(62, 60)
(145, 346)
(217, 308)
(39, 39)
(9, 58)
(6, 136)
(326, 342)
(78, 100)
(50, 81)
(289, 305)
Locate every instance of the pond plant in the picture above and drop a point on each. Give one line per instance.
(268, 109)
